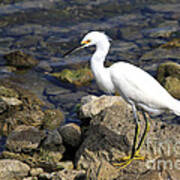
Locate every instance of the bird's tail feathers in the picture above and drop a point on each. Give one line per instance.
(176, 107)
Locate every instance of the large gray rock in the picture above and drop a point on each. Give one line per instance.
(110, 137)
(13, 169)
(92, 105)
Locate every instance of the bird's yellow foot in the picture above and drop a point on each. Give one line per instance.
(125, 161)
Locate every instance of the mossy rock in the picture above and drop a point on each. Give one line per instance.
(20, 60)
(77, 77)
(52, 119)
(168, 75)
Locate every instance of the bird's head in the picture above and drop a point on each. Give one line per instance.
(90, 39)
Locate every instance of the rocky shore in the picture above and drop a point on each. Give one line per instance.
(40, 145)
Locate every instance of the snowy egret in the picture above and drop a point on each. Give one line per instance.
(135, 85)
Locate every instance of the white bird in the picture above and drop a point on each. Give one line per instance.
(135, 85)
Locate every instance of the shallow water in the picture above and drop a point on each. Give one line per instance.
(48, 28)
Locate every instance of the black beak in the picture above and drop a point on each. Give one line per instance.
(73, 50)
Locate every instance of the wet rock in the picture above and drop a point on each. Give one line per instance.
(162, 32)
(168, 75)
(78, 77)
(20, 60)
(7, 69)
(24, 139)
(71, 134)
(110, 137)
(52, 119)
(44, 66)
(13, 169)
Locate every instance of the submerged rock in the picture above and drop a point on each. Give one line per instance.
(168, 75)
(159, 54)
(77, 77)
(20, 60)
(13, 169)
(110, 137)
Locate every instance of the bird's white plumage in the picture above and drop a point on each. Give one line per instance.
(135, 85)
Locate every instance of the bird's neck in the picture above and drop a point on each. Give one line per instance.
(97, 65)
(98, 58)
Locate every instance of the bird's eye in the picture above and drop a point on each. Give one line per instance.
(86, 42)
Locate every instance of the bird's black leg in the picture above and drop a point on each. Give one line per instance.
(137, 130)
(146, 130)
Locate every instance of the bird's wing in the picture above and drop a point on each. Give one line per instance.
(137, 85)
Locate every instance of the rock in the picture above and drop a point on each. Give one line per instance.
(13, 169)
(11, 101)
(44, 66)
(77, 77)
(52, 119)
(36, 171)
(168, 75)
(65, 165)
(54, 142)
(7, 69)
(162, 32)
(20, 60)
(8, 92)
(110, 137)
(92, 105)
(71, 134)
(30, 145)
(18, 106)
(45, 176)
(24, 139)
(69, 175)
(30, 178)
